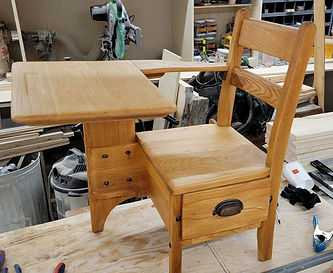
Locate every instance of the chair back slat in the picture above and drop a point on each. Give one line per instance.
(257, 86)
(290, 44)
(272, 39)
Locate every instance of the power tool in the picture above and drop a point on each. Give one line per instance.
(119, 31)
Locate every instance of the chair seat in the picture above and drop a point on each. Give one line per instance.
(194, 158)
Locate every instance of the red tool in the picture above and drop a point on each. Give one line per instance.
(60, 268)
(2, 259)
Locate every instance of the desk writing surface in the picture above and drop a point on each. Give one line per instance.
(70, 92)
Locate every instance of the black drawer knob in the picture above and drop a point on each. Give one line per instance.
(228, 207)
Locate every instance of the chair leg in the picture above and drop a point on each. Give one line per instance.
(265, 234)
(100, 209)
(175, 252)
(175, 257)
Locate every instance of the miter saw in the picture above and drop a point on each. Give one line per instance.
(119, 31)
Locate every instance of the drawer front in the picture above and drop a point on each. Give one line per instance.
(197, 212)
(115, 169)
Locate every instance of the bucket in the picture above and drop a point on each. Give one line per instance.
(68, 178)
(69, 199)
(22, 196)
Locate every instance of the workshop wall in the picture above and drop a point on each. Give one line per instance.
(73, 18)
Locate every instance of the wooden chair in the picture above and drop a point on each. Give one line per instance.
(206, 181)
(209, 181)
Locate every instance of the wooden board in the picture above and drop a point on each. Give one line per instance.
(20, 130)
(5, 96)
(184, 88)
(68, 92)
(5, 85)
(168, 86)
(158, 67)
(194, 158)
(138, 242)
(311, 127)
(319, 51)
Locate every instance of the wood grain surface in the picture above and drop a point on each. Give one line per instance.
(198, 207)
(158, 67)
(70, 92)
(195, 158)
(136, 240)
(257, 86)
(272, 39)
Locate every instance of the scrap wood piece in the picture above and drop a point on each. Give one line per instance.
(5, 96)
(9, 76)
(5, 85)
(168, 85)
(307, 109)
(19, 137)
(195, 110)
(20, 130)
(34, 140)
(27, 149)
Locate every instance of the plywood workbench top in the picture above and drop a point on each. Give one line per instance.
(68, 92)
(139, 243)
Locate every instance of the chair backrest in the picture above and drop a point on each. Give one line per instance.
(287, 43)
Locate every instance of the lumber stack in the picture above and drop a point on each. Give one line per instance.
(310, 138)
(5, 92)
(27, 139)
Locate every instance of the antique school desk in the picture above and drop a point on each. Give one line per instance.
(107, 97)
(206, 181)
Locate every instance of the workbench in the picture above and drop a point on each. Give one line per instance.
(139, 243)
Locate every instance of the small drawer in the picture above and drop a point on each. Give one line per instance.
(115, 178)
(115, 169)
(197, 211)
(104, 158)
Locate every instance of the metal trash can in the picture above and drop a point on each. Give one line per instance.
(22, 196)
(68, 178)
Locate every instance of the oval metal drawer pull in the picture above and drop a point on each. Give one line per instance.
(228, 207)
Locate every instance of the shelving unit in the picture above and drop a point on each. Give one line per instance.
(224, 14)
(215, 8)
(294, 12)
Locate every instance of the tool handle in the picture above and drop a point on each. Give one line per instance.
(315, 221)
(321, 166)
(60, 268)
(17, 268)
(2, 259)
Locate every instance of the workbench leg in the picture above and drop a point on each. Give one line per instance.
(265, 233)
(175, 251)
(100, 209)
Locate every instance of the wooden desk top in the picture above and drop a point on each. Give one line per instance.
(46, 93)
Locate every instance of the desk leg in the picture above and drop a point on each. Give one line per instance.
(114, 165)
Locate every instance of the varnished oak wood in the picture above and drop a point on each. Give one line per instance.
(273, 39)
(109, 167)
(198, 207)
(205, 163)
(228, 91)
(212, 236)
(255, 85)
(158, 191)
(69, 92)
(175, 234)
(285, 113)
(185, 170)
(199, 157)
(154, 68)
